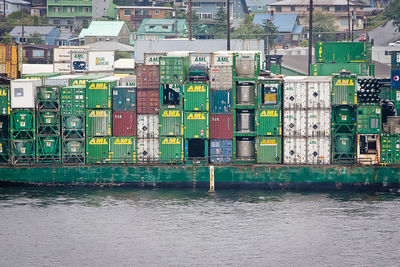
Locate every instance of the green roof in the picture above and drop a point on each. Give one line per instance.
(180, 25)
(102, 28)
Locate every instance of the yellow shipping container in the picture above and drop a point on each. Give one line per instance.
(14, 71)
(2, 53)
(8, 68)
(14, 55)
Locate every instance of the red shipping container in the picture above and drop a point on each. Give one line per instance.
(147, 101)
(148, 77)
(221, 126)
(124, 123)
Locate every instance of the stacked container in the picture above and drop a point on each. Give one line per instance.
(23, 120)
(306, 121)
(9, 60)
(41, 76)
(344, 105)
(269, 120)
(4, 123)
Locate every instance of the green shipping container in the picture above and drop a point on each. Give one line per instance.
(4, 150)
(174, 69)
(23, 151)
(98, 122)
(396, 98)
(390, 149)
(171, 149)
(4, 101)
(343, 119)
(196, 125)
(269, 150)
(327, 69)
(342, 52)
(48, 97)
(123, 150)
(73, 100)
(97, 150)
(369, 119)
(98, 93)
(48, 149)
(246, 65)
(73, 151)
(269, 121)
(171, 96)
(269, 92)
(23, 124)
(197, 97)
(41, 76)
(344, 89)
(171, 122)
(48, 122)
(395, 60)
(82, 80)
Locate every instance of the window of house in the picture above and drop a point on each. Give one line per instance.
(146, 12)
(48, 53)
(292, 8)
(152, 27)
(278, 9)
(70, 21)
(38, 53)
(325, 8)
(6, 6)
(56, 21)
(70, 9)
(259, 7)
(57, 9)
(164, 27)
(220, 4)
(197, 4)
(206, 15)
(86, 9)
(127, 12)
(138, 12)
(388, 53)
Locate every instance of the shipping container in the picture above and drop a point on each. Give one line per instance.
(124, 98)
(174, 69)
(221, 102)
(395, 60)
(221, 78)
(101, 61)
(147, 126)
(60, 81)
(147, 150)
(73, 151)
(295, 150)
(369, 119)
(222, 58)
(244, 122)
(73, 100)
(344, 91)
(269, 121)
(48, 149)
(97, 150)
(171, 149)
(48, 97)
(368, 149)
(14, 55)
(343, 119)
(124, 123)
(318, 150)
(14, 71)
(200, 58)
(64, 68)
(98, 122)
(243, 150)
(327, 69)
(36, 68)
(98, 93)
(390, 149)
(171, 95)
(246, 65)
(342, 52)
(295, 122)
(63, 53)
(319, 92)
(48, 122)
(3, 53)
(129, 81)
(221, 126)
(23, 93)
(269, 91)
(73, 126)
(5, 152)
(152, 58)
(269, 150)
(4, 100)
(23, 151)
(171, 122)
(82, 80)
(196, 97)
(245, 95)
(122, 150)
(147, 101)
(148, 77)
(41, 76)
(318, 122)
(196, 125)
(295, 92)
(343, 148)
(221, 150)
(196, 151)
(23, 124)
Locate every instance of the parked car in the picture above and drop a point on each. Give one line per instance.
(364, 37)
(397, 43)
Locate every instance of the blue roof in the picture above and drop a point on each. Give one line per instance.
(298, 29)
(284, 22)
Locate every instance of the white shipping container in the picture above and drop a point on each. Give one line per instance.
(295, 92)
(319, 91)
(36, 68)
(62, 67)
(147, 126)
(62, 80)
(318, 150)
(295, 122)
(128, 81)
(221, 78)
(79, 61)
(111, 79)
(319, 122)
(147, 150)
(101, 61)
(222, 59)
(152, 58)
(200, 58)
(23, 93)
(124, 64)
(294, 150)
(63, 53)
(179, 53)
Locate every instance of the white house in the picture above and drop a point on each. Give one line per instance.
(13, 6)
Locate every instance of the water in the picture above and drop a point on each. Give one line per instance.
(133, 227)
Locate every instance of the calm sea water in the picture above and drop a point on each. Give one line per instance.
(133, 227)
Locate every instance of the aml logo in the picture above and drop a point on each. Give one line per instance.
(268, 142)
(269, 113)
(98, 114)
(171, 113)
(223, 59)
(344, 82)
(171, 141)
(79, 82)
(196, 88)
(98, 141)
(98, 86)
(196, 116)
(123, 141)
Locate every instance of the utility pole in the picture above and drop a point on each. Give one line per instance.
(190, 19)
(228, 27)
(352, 26)
(22, 18)
(310, 37)
(348, 19)
(4, 8)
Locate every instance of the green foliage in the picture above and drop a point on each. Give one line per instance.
(248, 30)
(304, 43)
(218, 29)
(197, 27)
(324, 28)
(393, 13)
(35, 21)
(271, 32)
(7, 39)
(120, 54)
(34, 39)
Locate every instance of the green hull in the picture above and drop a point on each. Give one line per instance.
(260, 176)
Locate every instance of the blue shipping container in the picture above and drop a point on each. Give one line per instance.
(395, 79)
(221, 101)
(124, 98)
(220, 150)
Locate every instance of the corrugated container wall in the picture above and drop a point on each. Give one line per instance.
(319, 92)
(124, 123)
(221, 126)
(196, 125)
(73, 100)
(147, 150)
(295, 123)
(318, 122)
(147, 126)
(98, 122)
(295, 92)
(123, 149)
(4, 99)
(344, 91)
(61, 81)
(171, 122)
(269, 150)
(174, 69)
(295, 150)
(62, 67)
(269, 121)
(221, 78)
(124, 98)
(128, 81)
(221, 101)
(196, 97)
(147, 77)
(148, 101)
(171, 149)
(98, 93)
(221, 150)
(342, 52)
(97, 150)
(318, 150)
(152, 58)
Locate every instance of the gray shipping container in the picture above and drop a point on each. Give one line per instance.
(147, 150)
(61, 81)
(221, 78)
(147, 126)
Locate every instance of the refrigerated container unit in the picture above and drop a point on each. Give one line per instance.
(171, 122)
(152, 58)
(48, 149)
(196, 151)
(147, 126)
(97, 150)
(369, 119)
(246, 65)
(147, 101)
(147, 150)
(171, 96)
(244, 95)
(318, 150)
(295, 92)
(319, 91)
(269, 150)
(244, 123)
(73, 100)
(98, 93)
(390, 149)
(41, 76)
(174, 69)
(83, 79)
(294, 150)
(269, 91)
(269, 121)
(147, 77)
(122, 150)
(48, 97)
(368, 149)
(129, 81)
(200, 58)
(196, 125)
(318, 122)
(295, 123)
(98, 122)
(221, 151)
(221, 78)
(395, 60)
(221, 126)
(124, 98)
(196, 97)
(171, 150)
(221, 102)
(244, 150)
(124, 123)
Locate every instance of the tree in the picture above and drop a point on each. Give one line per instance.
(197, 27)
(7, 39)
(393, 13)
(218, 29)
(324, 28)
(270, 32)
(35, 39)
(247, 29)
